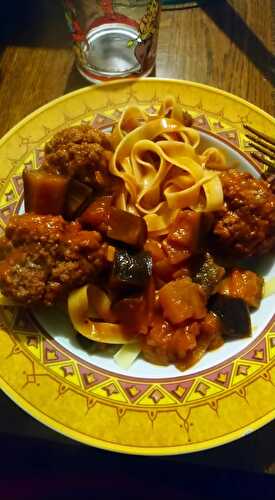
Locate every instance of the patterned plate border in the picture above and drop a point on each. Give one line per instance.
(165, 416)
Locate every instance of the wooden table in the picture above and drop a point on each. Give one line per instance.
(225, 44)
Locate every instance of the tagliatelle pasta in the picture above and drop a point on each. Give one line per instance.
(80, 312)
(156, 157)
(118, 232)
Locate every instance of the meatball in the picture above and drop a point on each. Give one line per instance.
(247, 225)
(5, 247)
(77, 135)
(30, 228)
(81, 152)
(48, 258)
(23, 274)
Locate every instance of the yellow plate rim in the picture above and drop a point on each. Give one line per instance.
(38, 414)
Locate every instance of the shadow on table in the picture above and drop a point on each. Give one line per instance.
(29, 23)
(31, 469)
(231, 23)
(42, 23)
(77, 81)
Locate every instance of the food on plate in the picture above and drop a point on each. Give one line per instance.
(131, 270)
(208, 273)
(42, 191)
(48, 257)
(80, 152)
(247, 225)
(126, 227)
(134, 229)
(77, 198)
(242, 284)
(233, 314)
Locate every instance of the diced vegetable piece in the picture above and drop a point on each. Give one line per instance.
(132, 313)
(150, 298)
(175, 255)
(127, 228)
(182, 300)
(193, 356)
(110, 253)
(164, 270)
(96, 215)
(78, 197)
(184, 339)
(131, 270)
(155, 345)
(184, 233)
(243, 284)
(234, 315)
(164, 345)
(182, 272)
(155, 249)
(208, 273)
(211, 325)
(215, 343)
(183, 239)
(44, 193)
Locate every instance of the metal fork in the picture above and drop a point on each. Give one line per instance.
(262, 143)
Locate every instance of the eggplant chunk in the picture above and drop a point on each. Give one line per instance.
(132, 313)
(44, 193)
(96, 215)
(127, 228)
(78, 197)
(233, 314)
(207, 273)
(131, 270)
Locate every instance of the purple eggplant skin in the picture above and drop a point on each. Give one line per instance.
(78, 197)
(233, 314)
(127, 228)
(131, 270)
(44, 193)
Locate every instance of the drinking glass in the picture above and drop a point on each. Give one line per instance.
(113, 39)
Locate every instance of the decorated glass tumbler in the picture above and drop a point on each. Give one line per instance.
(113, 39)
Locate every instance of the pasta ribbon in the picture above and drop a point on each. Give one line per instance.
(214, 158)
(80, 311)
(161, 171)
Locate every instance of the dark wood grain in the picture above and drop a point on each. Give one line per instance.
(225, 44)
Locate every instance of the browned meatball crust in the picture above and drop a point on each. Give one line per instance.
(48, 258)
(247, 225)
(82, 152)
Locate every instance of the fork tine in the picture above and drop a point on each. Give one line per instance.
(263, 150)
(262, 143)
(262, 160)
(260, 134)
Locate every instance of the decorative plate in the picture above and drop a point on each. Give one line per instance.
(148, 410)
